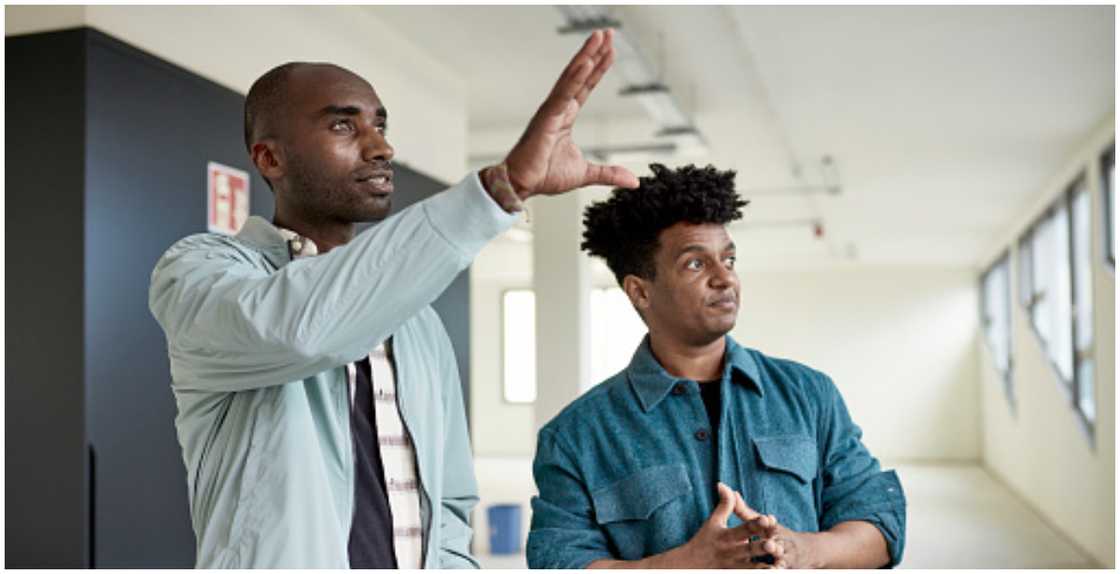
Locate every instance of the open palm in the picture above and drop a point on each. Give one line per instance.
(546, 159)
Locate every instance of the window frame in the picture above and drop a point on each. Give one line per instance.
(1071, 387)
(1004, 259)
(1106, 164)
(1081, 182)
(1026, 243)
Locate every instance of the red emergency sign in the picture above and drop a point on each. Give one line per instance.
(227, 197)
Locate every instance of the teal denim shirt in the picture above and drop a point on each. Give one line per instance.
(258, 347)
(625, 471)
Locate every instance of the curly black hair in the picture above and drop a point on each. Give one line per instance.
(624, 229)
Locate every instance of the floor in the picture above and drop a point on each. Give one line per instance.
(958, 516)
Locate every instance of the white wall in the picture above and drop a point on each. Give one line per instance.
(498, 428)
(899, 342)
(1041, 451)
(234, 45)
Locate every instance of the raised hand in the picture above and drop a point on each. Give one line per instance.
(546, 159)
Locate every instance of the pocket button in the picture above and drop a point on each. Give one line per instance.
(702, 435)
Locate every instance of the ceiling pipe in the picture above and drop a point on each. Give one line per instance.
(642, 81)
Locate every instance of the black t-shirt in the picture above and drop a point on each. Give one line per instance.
(371, 532)
(709, 391)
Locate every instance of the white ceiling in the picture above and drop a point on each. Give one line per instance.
(944, 121)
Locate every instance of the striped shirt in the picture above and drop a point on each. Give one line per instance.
(398, 458)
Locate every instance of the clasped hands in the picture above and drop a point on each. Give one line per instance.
(743, 546)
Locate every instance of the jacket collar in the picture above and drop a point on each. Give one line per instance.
(258, 232)
(651, 382)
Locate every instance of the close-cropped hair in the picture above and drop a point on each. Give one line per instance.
(624, 228)
(265, 100)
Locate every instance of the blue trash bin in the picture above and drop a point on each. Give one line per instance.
(505, 528)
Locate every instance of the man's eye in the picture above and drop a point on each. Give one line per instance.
(694, 264)
(341, 125)
(730, 261)
(381, 129)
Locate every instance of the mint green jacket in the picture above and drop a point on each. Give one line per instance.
(258, 346)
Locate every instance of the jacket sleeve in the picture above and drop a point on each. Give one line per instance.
(460, 490)
(231, 325)
(563, 533)
(853, 485)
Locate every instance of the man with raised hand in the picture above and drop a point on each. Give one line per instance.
(320, 411)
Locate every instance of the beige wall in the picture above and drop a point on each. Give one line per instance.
(233, 45)
(498, 428)
(899, 342)
(1041, 450)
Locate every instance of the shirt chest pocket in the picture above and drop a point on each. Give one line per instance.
(788, 465)
(646, 512)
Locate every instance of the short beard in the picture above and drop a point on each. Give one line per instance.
(321, 197)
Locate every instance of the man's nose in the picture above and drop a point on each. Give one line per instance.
(723, 277)
(375, 146)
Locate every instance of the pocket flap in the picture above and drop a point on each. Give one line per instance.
(638, 495)
(795, 454)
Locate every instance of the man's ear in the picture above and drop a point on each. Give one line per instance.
(637, 289)
(269, 159)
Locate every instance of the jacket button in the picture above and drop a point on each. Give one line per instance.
(678, 389)
(702, 435)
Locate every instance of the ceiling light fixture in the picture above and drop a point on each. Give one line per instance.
(642, 82)
(829, 178)
(814, 224)
(792, 189)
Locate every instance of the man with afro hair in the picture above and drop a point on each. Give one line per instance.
(702, 453)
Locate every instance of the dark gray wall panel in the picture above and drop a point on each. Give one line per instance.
(152, 130)
(45, 453)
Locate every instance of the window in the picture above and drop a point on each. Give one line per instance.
(1026, 288)
(1047, 278)
(1083, 382)
(995, 317)
(519, 346)
(1108, 176)
(1056, 289)
(616, 331)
